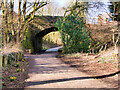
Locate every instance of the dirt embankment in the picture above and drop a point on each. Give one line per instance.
(14, 75)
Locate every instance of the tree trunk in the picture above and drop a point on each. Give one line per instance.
(11, 18)
(23, 22)
(19, 22)
(6, 22)
(3, 22)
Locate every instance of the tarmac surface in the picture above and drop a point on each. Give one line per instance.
(47, 71)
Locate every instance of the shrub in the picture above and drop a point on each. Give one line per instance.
(74, 36)
(27, 42)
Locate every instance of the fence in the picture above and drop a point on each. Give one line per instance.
(8, 58)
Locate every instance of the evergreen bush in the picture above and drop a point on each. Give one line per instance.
(73, 34)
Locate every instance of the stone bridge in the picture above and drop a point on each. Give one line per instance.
(39, 27)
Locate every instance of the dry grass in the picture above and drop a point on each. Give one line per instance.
(108, 56)
(9, 48)
(103, 63)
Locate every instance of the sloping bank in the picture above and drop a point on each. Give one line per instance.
(8, 58)
(14, 69)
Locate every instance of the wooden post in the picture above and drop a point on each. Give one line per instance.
(1, 61)
(18, 55)
(21, 55)
(15, 56)
(5, 60)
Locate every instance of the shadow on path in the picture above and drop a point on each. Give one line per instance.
(69, 79)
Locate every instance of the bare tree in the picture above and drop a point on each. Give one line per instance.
(18, 27)
(11, 20)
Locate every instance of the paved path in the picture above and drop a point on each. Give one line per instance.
(53, 49)
(46, 71)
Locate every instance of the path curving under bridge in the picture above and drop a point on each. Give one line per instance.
(47, 71)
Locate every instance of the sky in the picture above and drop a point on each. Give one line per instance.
(94, 12)
(59, 4)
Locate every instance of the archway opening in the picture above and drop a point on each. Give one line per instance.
(51, 40)
(41, 36)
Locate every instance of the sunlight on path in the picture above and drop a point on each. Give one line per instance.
(46, 71)
(54, 49)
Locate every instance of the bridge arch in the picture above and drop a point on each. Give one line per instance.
(37, 45)
(38, 28)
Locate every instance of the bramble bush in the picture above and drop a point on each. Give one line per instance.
(73, 34)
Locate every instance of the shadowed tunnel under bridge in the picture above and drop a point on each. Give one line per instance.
(37, 43)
